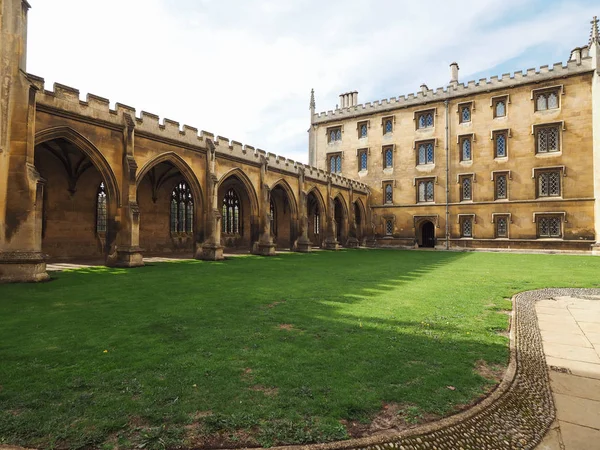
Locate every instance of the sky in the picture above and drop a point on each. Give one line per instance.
(244, 69)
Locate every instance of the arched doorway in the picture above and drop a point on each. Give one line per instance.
(169, 206)
(316, 222)
(79, 201)
(340, 216)
(427, 235)
(237, 201)
(283, 212)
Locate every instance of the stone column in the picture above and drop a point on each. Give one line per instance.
(595, 55)
(265, 245)
(211, 249)
(128, 252)
(303, 243)
(352, 231)
(331, 242)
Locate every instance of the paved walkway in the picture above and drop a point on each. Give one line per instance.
(570, 329)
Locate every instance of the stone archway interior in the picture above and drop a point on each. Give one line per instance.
(358, 219)
(75, 204)
(339, 219)
(236, 214)
(281, 218)
(315, 219)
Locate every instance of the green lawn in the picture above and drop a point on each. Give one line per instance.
(263, 351)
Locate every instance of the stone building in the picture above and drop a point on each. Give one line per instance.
(79, 180)
(505, 163)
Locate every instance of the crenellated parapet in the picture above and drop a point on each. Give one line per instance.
(65, 101)
(574, 66)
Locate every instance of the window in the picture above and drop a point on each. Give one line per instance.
(424, 119)
(317, 222)
(335, 163)
(101, 209)
(548, 183)
(362, 159)
(501, 226)
(549, 226)
(334, 134)
(425, 191)
(501, 186)
(182, 209)
(464, 113)
(388, 125)
(466, 227)
(500, 143)
(546, 100)
(547, 139)
(425, 153)
(388, 193)
(363, 130)
(465, 148)
(499, 106)
(389, 227)
(232, 213)
(273, 212)
(388, 157)
(466, 188)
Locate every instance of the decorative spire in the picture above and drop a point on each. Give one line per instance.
(594, 35)
(312, 99)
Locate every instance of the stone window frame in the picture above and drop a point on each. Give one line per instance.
(535, 131)
(460, 139)
(558, 89)
(421, 112)
(537, 171)
(363, 151)
(461, 219)
(459, 110)
(384, 186)
(459, 180)
(508, 217)
(494, 179)
(493, 137)
(101, 222)
(560, 215)
(328, 157)
(417, 182)
(359, 127)
(384, 121)
(328, 131)
(384, 149)
(416, 148)
(388, 227)
(497, 99)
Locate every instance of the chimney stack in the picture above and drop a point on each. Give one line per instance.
(454, 73)
(348, 100)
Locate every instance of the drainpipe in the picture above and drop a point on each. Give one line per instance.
(447, 176)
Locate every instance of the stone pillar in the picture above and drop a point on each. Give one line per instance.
(352, 231)
(211, 249)
(331, 242)
(21, 258)
(128, 252)
(265, 245)
(594, 52)
(303, 243)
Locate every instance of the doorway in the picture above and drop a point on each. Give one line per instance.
(427, 235)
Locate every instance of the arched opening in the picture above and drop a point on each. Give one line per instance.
(358, 219)
(427, 238)
(341, 222)
(238, 230)
(316, 216)
(283, 210)
(77, 203)
(169, 210)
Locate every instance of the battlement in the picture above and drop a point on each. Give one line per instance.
(66, 100)
(455, 90)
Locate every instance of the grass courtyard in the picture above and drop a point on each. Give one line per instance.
(259, 351)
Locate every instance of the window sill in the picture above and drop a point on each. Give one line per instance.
(550, 239)
(388, 170)
(548, 154)
(501, 200)
(466, 238)
(501, 159)
(363, 173)
(425, 167)
(426, 203)
(388, 204)
(549, 199)
(466, 163)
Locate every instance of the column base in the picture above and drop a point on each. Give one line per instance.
(210, 252)
(264, 249)
(129, 257)
(303, 246)
(352, 243)
(22, 267)
(596, 249)
(331, 244)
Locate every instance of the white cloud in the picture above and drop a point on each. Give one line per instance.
(244, 69)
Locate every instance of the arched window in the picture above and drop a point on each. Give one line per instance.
(500, 109)
(182, 209)
(232, 213)
(101, 209)
(273, 219)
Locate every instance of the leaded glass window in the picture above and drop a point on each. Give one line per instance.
(363, 130)
(332, 164)
(547, 139)
(549, 184)
(466, 150)
(182, 209)
(500, 110)
(546, 100)
(389, 158)
(425, 120)
(389, 193)
(426, 153)
(101, 209)
(232, 213)
(501, 227)
(363, 160)
(501, 187)
(335, 134)
(425, 191)
(467, 227)
(467, 188)
(500, 145)
(549, 226)
(389, 126)
(389, 227)
(317, 223)
(338, 163)
(465, 114)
